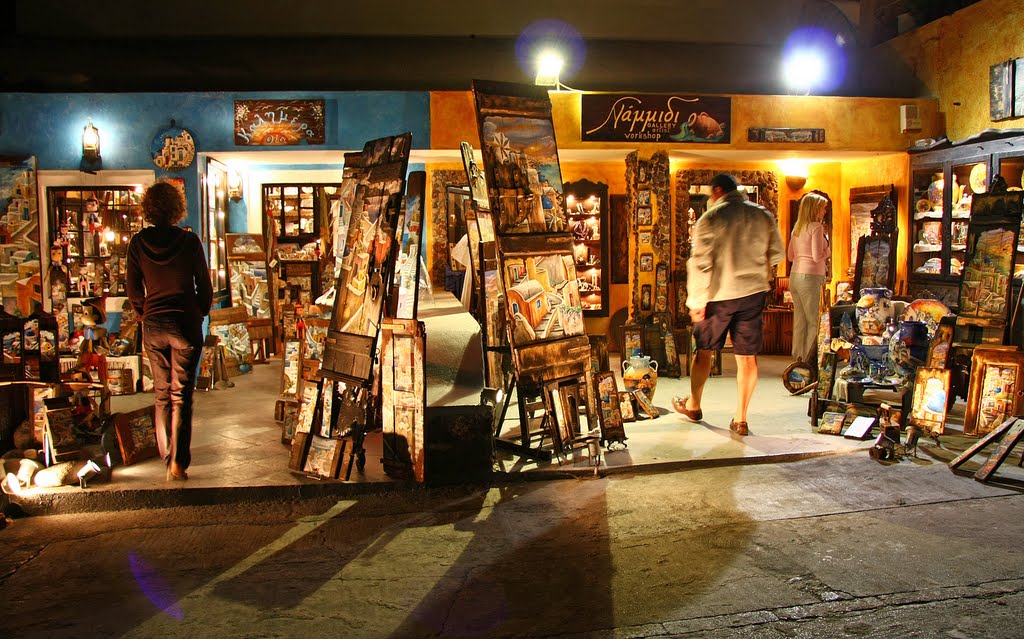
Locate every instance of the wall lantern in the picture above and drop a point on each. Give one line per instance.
(234, 185)
(91, 143)
(796, 173)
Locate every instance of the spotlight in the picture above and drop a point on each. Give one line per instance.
(87, 472)
(492, 396)
(549, 66)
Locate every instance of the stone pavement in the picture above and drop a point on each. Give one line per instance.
(824, 547)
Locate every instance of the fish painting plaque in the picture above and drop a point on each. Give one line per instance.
(279, 122)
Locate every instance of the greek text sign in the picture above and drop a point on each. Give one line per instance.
(279, 122)
(628, 117)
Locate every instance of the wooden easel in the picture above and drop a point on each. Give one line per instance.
(1008, 434)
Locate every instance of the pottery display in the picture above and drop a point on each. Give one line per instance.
(640, 373)
(874, 308)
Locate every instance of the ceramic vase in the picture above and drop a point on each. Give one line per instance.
(874, 308)
(640, 373)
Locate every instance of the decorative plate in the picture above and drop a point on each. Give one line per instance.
(927, 311)
(173, 149)
(923, 205)
(978, 177)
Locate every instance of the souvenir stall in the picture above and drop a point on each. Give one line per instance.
(924, 351)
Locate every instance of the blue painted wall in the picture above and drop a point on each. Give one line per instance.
(49, 126)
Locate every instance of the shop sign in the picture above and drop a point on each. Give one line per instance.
(629, 117)
(279, 122)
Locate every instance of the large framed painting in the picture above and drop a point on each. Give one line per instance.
(21, 267)
(876, 263)
(931, 392)
(521, 170)
(407, 271)
(543, 309)
(366, 269)
(993, 395)
(988, 266)
(863, 201)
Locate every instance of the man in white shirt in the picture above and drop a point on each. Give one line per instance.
(735, 245)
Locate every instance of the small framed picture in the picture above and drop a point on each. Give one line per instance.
(647, 262)
(831, 423)
(626, 407)
(643, 172)
(645, 405)
(645, 297)
(644, 238)
(931, 392)
(644, 216)
(643, 197)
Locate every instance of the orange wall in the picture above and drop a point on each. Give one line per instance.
(851, 124)
(882, 170)
(952, 56)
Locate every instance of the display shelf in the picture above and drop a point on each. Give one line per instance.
(91, 229)
(944, 181)
(587, 208)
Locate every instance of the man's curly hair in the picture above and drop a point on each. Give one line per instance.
(163, 205)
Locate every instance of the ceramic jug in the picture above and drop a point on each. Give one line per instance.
(874, 308)
(640, 373)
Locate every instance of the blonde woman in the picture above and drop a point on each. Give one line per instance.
(809, 252)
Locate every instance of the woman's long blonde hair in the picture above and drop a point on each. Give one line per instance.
(811, 206)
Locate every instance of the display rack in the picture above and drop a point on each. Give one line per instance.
(587, 212)
(944, 180)
(93, 228)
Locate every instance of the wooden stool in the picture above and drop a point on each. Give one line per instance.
(261, 334)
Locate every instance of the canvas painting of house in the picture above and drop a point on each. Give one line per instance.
(542, 299)
(20, 252)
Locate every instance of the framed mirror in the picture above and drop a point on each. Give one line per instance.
(762, 187)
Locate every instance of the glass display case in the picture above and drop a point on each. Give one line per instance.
(299, 211)
(91, 228)
(944, 181)
(587, 213)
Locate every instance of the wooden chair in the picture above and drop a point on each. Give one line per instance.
(261, 334)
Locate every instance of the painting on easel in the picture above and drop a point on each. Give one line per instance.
(542, 299)
(522, 173)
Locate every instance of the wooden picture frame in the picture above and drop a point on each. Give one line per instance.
(59, 429)
(930, 400)
(520, 157)
(136, 435)
(608, 409)
(996, 376)
(941, 344)
(992, 236)
(645, 404)
(827, 375)
(324, 456)
(626, 407)
(876, 263)
(1000, 90)
(831, 423)
(207, 362)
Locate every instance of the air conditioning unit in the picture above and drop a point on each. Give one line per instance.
(910, 118)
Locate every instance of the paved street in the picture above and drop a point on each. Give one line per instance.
(828, 547)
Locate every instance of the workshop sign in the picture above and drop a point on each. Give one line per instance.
(279, 122)
(669, 118)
